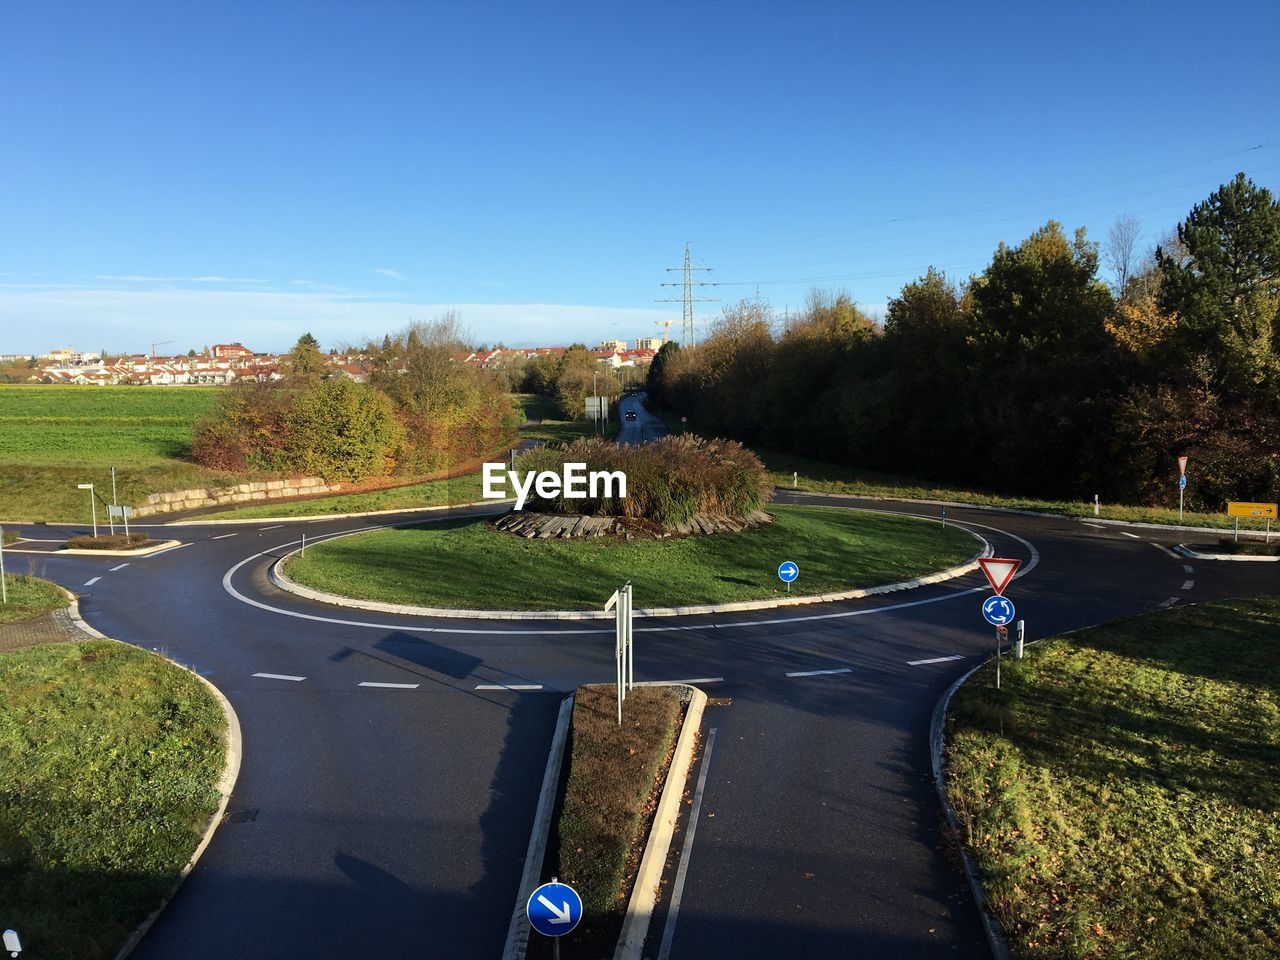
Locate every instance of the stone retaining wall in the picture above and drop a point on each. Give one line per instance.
(546, 525)
(180, 500)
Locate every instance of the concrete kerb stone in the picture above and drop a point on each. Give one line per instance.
(644, 893)
(1186, 551)
(337, 516)
(226, 782)
(281, 580)
(517, 943)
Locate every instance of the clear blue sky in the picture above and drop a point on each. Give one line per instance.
(210, 172)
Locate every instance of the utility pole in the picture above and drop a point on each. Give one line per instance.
(687, 285)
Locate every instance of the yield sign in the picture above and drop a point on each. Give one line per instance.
(1182, 465)
(999, 571)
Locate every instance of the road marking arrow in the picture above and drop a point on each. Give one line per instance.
(558, 915)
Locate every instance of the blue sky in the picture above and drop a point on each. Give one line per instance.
(248, 171)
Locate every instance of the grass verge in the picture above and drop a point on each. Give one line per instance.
(111, 757)
(1121, 793)
(467, 563)
(29, 597)
(615, 777)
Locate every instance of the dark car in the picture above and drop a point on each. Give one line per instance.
(631, 414)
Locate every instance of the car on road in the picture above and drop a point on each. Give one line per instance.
(631, 414)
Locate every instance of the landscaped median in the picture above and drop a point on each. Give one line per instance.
(1121, 792)
(456, 564)
(113, 760)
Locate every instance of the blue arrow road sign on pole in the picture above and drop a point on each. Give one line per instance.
(998, 611)
(554, 909)
(787, 571)
(1182, 482)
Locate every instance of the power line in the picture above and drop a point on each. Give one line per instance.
(687, 285)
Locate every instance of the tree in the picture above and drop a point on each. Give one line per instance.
(342, 430)
(1224, 284)
(305, 365)
(1120, 253)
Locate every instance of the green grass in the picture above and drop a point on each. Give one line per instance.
(1121, 793)
(111, 757)
(467, 563)
(614, 773)
(29, 597)
(818, 477)
(552, 427)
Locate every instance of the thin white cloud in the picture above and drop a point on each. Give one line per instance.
(133, 278)
(393, 274)
(214, 278)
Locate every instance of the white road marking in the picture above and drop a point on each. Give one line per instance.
(819, 673)
(508, 686)
(1126, 533)
(1187, 568)
(223, 536)
(920, 663)
(265, 529)
(1166, 604)
(1163, 549)
(159, 553)
(1096, 526)
(390, 686)
(279, 676)
(677, 891)
(664, 683)
(119, 566)
(1188, 584)
(90, 583)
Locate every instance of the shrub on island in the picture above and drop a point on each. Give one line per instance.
(669, 481)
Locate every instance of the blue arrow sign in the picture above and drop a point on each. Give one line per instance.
(1182, 482)
(554, 909)
(998, 611)
(787, 571)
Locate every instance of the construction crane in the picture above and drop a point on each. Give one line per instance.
(666, 329)
(160, 344)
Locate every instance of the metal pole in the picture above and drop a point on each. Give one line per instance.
(631, 645)
(303, 551)
(1096, 505)
(1180, 492)
(617, 653)
(114, 501)
(4, 586)
(124, 513)
(93, 509)
(1268, 530)
(1237, 536)
(997, 659)
(944, 518)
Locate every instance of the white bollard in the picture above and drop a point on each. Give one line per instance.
(1022, 632)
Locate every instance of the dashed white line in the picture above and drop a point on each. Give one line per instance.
(279, 676)
(158, 553)
(1126, 533)
(265, 529)
(1187, 568)
(1188, 584)
(508, 686)
(90, 583)
(223, 536)
(119, 566)
(390, 686)
(664, 683)
(820, 673)
(1166, 604)
(1096, 526)
(920, 663)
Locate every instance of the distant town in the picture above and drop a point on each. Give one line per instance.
(226, 363)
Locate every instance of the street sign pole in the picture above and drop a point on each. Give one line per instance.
(4, 587)
(1022, 632)
(1182, 483)
(997, 658)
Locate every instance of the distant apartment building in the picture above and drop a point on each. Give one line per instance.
(616, 346)
(70, 358)
(231, 351)
(649, 343)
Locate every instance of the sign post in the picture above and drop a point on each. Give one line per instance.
(554, 909)
(4, 587)
(999, 610)
(93, 507)
(1251, 511)
(624, 661)
(788, 571)
(1182, 483)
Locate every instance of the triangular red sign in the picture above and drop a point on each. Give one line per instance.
(1182, 465)
(999, 571)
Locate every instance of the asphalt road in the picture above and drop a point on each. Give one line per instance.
(391, 821)
(645, 427)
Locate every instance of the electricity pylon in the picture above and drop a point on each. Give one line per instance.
(687, 285)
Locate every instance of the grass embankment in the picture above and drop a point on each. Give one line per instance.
(53, 437)
(111, 757)
(614, 779)
(467, 563)
(30, 597)
(1121, 793)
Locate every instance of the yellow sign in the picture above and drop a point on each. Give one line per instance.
(1252, 511)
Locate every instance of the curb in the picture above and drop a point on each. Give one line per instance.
(518, 929)
(156, 547)
(937, 734)
(1186, 551)
(314, 517)
(226, 782)
(644, 893)
(278, 578)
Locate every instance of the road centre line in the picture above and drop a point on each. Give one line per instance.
(279, 676)
(118, 566)
(1187, 568)
(1126, 533)
(1188, 584)
(508, 686)
(563, 631)
(921, 663)
(223, 536)
(158, 553)
(90, 583)
(390, 686)
(820, 673)
(677, 889)
(265, 529)
(1096, 526)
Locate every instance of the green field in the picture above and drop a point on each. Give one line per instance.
(111, 756)
(1121, 792)
(53, 437)
(467, 563)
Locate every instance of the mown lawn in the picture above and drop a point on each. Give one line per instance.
(110, 758)
(1121, 793)
(29, 597)
(614, 774)
(467, 563)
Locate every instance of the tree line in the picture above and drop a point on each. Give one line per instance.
(1033, 377)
